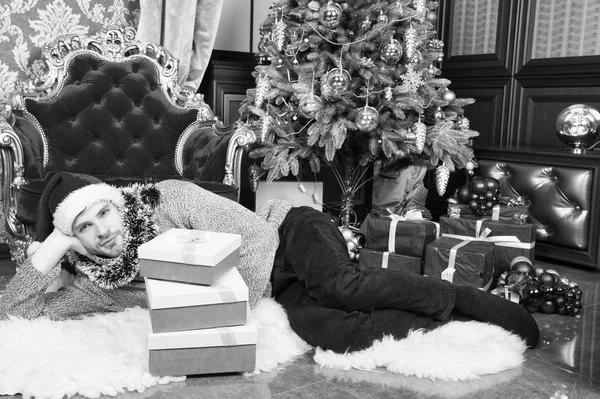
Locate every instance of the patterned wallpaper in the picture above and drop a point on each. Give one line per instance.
(474, 27)
(566, 28)
(25, 25)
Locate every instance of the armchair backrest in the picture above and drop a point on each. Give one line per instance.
(110, 106)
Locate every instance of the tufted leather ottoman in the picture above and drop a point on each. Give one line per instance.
(564, 193)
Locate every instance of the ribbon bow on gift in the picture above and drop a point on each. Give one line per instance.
(189, 243)
(410, 215)
(507, 241)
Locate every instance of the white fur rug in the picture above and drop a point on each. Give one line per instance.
(107, 354)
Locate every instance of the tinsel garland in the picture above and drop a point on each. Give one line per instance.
(138, 227)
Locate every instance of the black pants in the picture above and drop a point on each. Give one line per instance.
(336, 304)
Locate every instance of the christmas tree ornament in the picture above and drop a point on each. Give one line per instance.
(463, 194)
(431, 70)
(420, 131)
(442, 175)
(367, 119)
(420, 9)
(331, 14)
(314, 5)
(416, 57)
(448, 95)
(492, 184)
(431, 16)
(438, 115)
(391, 51)
(365, 24)
(262, 88)
(523, 265)
(411, 79)
(410, 41)
(382, 18)
(309, 105)
(338, 80)
(546, 279)
(389, 96)
(478, 186)
(462, 123)
(279, 34)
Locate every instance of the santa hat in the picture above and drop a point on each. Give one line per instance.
(66, 196)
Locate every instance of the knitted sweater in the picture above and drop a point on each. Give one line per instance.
(182, 205)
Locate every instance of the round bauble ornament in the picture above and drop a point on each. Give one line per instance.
(391, 51)
(351, 245)
(578, 126)
(547, 307)
(338, 80)
(309, 105)
(382, 18)
(547, 279)
(463, 194)
(492, 184)
(367, 119)
(448, 95)
(522, 264)
(362, 239)
(470, 165)
(473, 205)
(431, 16)
(549, 292)
(331, 14)
(533, 295)
(347, 233)
(539, 270)
(478, 186)
(560, 301)
(353, 255)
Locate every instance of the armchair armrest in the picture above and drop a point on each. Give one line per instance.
(241, 139)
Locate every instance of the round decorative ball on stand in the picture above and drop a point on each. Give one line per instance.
(578, 126)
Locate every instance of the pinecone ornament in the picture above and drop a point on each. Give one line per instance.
(410, 40)
(420, 131)
(442, 175)
(279, 34)
(262, 88)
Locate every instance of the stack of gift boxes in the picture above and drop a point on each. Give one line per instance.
(465, 249)
(198, 304)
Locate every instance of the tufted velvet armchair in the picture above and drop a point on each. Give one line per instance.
(107, 106)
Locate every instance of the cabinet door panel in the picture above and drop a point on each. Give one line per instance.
(562, 37)
(538, 106)
(477, 33)
(489, 114)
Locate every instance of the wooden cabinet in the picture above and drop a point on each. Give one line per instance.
(523, 61)
(228, 76)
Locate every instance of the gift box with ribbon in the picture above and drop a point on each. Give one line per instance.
(389, 260)
(514, 212)
(511, 239)
(207, 351)
(176, 306)
(462, 262)
(405, 235)
(191, 256)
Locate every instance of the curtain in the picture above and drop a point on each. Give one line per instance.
(187, 29)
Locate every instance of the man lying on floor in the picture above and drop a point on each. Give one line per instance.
(296, 255)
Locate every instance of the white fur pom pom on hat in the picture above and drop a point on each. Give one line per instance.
(80, 199)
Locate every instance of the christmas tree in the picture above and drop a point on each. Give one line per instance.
(353, 82)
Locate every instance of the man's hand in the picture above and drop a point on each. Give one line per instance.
(53, 249)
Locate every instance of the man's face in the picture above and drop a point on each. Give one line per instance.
(99, 228)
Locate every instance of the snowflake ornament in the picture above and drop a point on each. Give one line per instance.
(411, 79)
